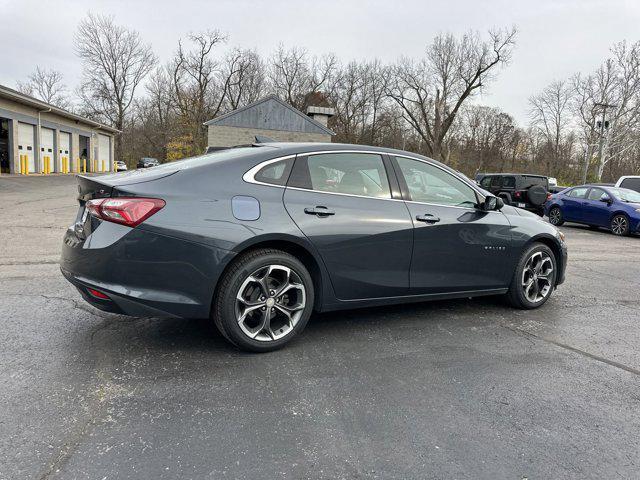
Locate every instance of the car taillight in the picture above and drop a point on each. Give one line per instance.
(549, 195)
(126, 211)
(98, 294)
(518, 194)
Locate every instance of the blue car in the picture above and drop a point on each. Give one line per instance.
(617, 209)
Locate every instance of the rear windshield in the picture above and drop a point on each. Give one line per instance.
(529, 181)
(206, 159)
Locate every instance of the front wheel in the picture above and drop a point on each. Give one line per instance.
(264, 300)
(620, 225)
(534, 278)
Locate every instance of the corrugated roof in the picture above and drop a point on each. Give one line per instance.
(24, 99)
(261, 114)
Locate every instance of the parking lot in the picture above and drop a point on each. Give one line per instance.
(452, 389)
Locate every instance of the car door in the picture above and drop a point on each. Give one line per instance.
(343, 203)
(457, 247)
(596, 207)
(572, 207)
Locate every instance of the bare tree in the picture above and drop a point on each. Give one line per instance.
(293, 74)
(616, 84)
(48, 86)
(431, 91)
(551, 117)
(196, 94)
(243, 76)
(115, 60)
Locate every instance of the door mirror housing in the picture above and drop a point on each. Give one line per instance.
(606, 199)
(492, 203)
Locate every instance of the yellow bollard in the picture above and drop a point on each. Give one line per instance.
(21, 165)
(84, 165)
(103, 170)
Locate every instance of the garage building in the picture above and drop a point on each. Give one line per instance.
(36, 137)
(269, 117)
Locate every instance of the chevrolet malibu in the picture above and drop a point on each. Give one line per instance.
(257, 238)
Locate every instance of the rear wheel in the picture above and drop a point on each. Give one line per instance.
(534, 278)
(264, 300)
(555, 216)
(620, 225)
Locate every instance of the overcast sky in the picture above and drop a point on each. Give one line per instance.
(555, 39)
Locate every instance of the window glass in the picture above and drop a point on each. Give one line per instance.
(275, 173)
(486, 181)
(632, 183)
(496, 182)
(509, 182)
(351, 173)
(431, 184)
(626, 195)
(579, 192)
(597, 194)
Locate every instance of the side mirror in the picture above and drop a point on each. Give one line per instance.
(492, 203)
(605, 199)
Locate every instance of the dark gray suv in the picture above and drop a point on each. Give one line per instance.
(259, 237)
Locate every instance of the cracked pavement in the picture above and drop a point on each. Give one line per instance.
(455, 389)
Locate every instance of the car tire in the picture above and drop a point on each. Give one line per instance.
(620, 225)
(555, 216)
(247, 309)
(537, 264)
(537, 195)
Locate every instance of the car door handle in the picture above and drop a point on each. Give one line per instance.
(427, 218)
(319, 211)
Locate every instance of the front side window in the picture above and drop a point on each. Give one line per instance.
(597, 194)
(579, 192)
(429, 184)
(346, 173)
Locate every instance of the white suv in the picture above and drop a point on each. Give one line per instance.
(632, 182)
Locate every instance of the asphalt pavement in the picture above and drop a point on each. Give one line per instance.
(465, 389)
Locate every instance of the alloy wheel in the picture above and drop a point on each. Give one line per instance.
(270, 302)
(554, 216)
(619, 225)
(537, 277)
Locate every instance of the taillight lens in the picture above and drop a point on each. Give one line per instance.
(549, 195)
(126, 211)
(518, 194)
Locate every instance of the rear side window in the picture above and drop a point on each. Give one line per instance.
(509, 182)
(347, 173)
(275, 173)
(496, 182)
(579, 192)
(631, 183)
(486, 182)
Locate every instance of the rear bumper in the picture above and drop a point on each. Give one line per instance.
(143, 273)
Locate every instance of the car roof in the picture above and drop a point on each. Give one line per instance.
(513, 175)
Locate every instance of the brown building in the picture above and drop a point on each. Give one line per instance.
(273, 118)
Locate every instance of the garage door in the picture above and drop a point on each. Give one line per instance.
(25, 144)
(65, 152)
(104, 153)
(46, 149)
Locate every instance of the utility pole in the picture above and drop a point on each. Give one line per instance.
(604, 107)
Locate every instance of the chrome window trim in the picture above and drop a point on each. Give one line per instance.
(249, 176)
